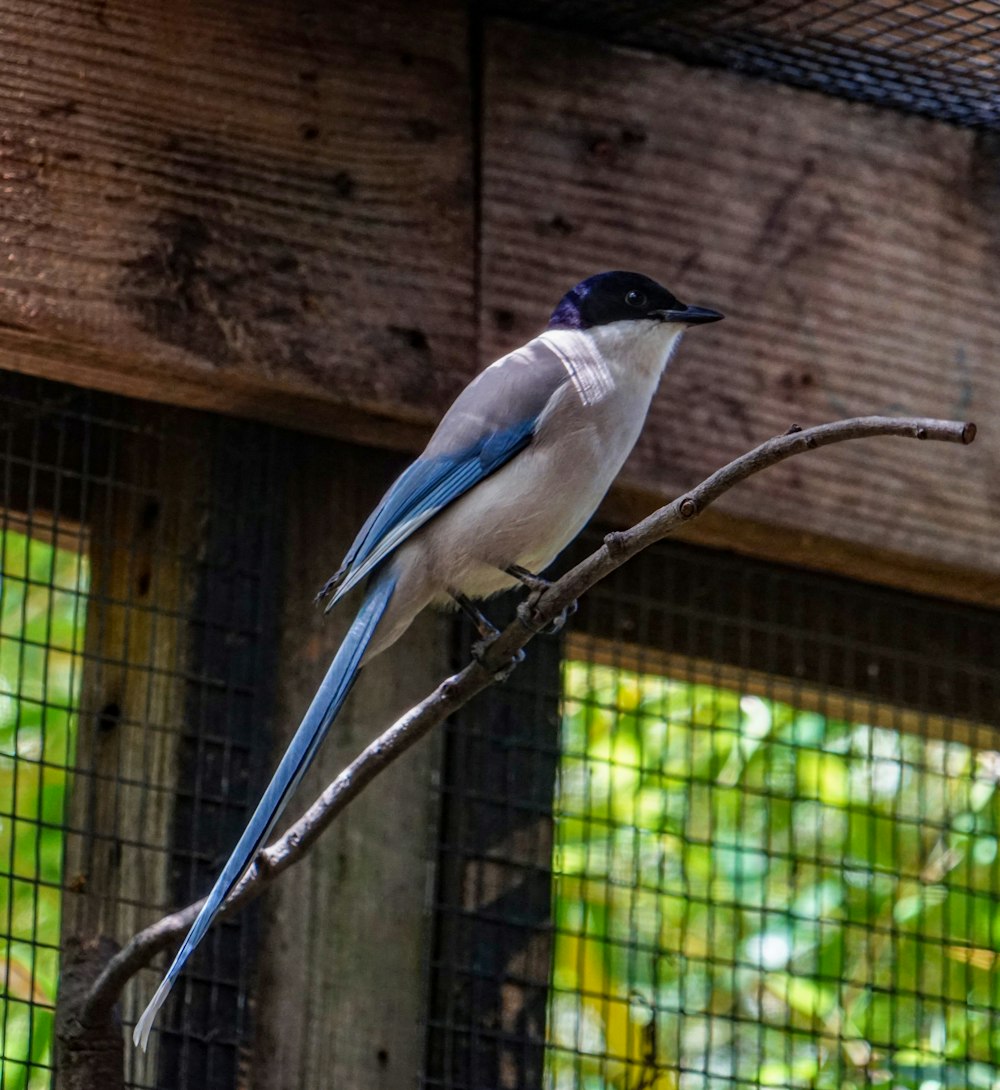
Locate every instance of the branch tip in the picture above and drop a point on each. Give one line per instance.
(969, 433)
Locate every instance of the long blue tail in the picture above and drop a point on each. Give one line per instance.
(326, 703)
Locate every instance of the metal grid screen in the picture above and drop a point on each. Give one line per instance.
(930, 57)
(741, 831)
(136, 628)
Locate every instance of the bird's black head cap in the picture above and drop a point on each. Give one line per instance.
(623, 296)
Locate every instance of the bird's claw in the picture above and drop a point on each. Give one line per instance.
(479, 649)
(527, 613)
(556, 624)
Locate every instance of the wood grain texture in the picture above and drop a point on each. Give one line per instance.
(132, 698)
(346, 934)
(853, 251)
(247, 207)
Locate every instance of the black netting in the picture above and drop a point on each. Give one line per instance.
(934, 58)
(740, 829)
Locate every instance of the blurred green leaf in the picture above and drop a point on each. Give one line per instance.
(797, 901)
(42, 608)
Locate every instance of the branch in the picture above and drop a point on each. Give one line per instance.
(459, 689)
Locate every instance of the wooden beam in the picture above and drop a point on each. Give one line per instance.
(262, 209)
(854, 252)
(756, 537)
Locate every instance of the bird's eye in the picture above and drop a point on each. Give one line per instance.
(635, 299)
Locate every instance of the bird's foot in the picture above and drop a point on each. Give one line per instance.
(556, 624)
(488, 633)
(527, 614)
(479, 649)
(527, 611)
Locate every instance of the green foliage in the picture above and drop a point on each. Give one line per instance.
(41, 632)
(748, 894)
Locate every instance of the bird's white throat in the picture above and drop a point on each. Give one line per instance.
(607, 357)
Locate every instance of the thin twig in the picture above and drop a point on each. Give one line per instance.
(456, 691)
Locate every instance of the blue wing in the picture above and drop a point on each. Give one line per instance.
(491, 421)
(429, 485)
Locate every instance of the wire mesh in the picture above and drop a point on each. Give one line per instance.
(771, 853)
(737, 828)
(929, 57)
(492, 950)
(136, 632)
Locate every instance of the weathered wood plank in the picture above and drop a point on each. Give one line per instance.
(342, 989)
(141, 518)
(251, 208)
(854, 252)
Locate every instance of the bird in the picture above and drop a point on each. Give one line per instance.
(513, 472)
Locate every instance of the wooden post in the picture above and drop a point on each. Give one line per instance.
(173, 713)
(142, 522)
(340, 999)
(143, 531)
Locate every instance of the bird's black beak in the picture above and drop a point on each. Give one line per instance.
(689, 315)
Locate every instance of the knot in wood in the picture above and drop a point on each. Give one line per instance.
(688, 508)
(616, 544)
(603, 150)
